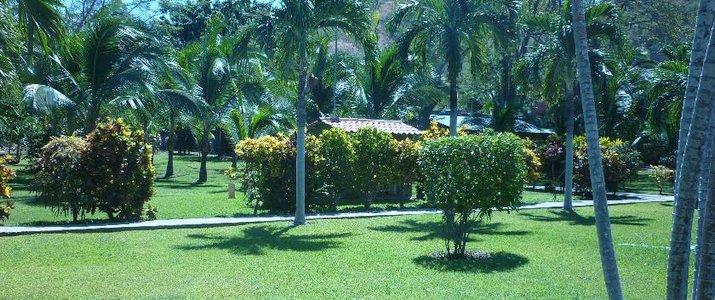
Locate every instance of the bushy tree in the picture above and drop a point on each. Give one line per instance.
(374, 152)
(470, 177)
(336, 166)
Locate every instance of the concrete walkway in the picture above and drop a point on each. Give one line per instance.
(631, 198)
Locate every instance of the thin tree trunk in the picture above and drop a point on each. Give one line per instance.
(687, 185)
(170, 145)
(300, 136)
(568, 178)
(598, 183)
(453, 107)
(703, 26)
(205, 147)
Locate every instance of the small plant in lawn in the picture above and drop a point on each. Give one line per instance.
(60, 177)
(151, 212)
(470, 177)
(662, 175)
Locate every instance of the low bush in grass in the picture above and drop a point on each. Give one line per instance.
(620, 162)
(407, 169)
(6, 173)
(336, 167)
(109, 170)
(470, 177)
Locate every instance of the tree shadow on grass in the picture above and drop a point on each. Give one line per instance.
(573, 218)
(498, 262)
(257, 239)
(433, 230)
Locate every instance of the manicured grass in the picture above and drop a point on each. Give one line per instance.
(545, 254)
(645, 184)
(179, 196)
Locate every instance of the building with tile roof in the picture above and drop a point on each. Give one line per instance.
(398, 129)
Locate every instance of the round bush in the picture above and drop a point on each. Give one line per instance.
(60, 176)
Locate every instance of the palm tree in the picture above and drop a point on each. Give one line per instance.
(382, 79)
(109, 66)
(38, 18)
(598, 184)
(293, 25)
(559, 66)
(448, 29)
(694, 124)
(667, 92)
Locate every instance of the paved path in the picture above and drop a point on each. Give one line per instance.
(214, 222)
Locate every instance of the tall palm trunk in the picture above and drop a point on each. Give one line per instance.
(598, 183)
(92, 117)
(688, 183)
(568, 172)
(703, 194)
(704, 277)
(300, 136)
(703, 26)
(170, 145)
(205, 148)
(453, 106)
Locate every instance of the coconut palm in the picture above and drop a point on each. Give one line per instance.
(293, 25)
(667, 92)
(38, 19)
(557, 59)
(598, 183)
(381, 81)
(694, 124)
(110, 65)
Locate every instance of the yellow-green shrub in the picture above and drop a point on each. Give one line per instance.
(6, 173)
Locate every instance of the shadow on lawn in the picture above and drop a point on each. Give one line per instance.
(433, 230)
(498, 262)
(256, 240)
(575, 219)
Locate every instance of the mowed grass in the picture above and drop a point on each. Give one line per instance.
(178, 197)
(545, 254)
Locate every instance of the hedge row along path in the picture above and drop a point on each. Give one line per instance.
(630, 198)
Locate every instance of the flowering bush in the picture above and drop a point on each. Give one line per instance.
(662, 175)
(119, 170)
(110, 170)
(435, 132)
(60, 176)
(620, 162)
(6, 173)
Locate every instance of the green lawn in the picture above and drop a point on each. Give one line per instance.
(537, 254)
(179, 196)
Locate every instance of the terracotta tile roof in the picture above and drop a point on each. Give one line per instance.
(389, 126)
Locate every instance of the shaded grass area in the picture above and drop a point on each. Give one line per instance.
(178, 197)
(644, 184)
(540, 254)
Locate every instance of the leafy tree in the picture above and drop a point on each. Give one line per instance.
(469, 178)
(374, 154)
(292, 25)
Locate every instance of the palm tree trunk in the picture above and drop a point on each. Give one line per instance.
(703, 194)
(92, 118)
(703, 26)
(687, 184)
(704, 279)
(453, 107)
(170, 145)
(300, 136)
(205, 147)
(568, 177)
(598, 183)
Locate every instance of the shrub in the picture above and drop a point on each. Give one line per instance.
(118, 170)
(435, 132)
(6, 174)
(269, 177)
(375, 154)
(533, 161)
(662, 175)
(60, 176)
(335, 169)
(407, 166)
(554, 154)
(470, 177)
(620, 162)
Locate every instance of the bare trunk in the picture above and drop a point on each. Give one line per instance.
(704, 277)
(568, 177)
(598, 183)
(703, 26)
(453, 107)
(693, 141)
(205, 147)
(300, 136)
